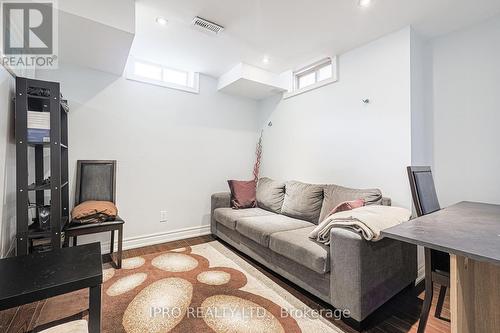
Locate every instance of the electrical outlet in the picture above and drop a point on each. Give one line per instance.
(163, 216)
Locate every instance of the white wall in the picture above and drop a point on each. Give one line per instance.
(421, 112)
(329, 136)
(7, 164)
(174, 149)
(421, 115)
(464, 101)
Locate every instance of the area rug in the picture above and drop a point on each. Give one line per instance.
(203, 288)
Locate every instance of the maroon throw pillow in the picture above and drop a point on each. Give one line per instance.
(347, 205)
(243, 194)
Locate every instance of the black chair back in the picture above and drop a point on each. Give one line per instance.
(423, 190)
(95, 180)
(426, 202)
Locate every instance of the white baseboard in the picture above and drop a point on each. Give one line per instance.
(420, 273)
(158, 238)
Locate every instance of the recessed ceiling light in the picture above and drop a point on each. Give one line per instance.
(265, 59)
(161, 20)
(364, 3)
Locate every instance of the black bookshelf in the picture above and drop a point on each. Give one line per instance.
(53, 192)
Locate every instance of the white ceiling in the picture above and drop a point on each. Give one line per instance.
(89, 43)
(290, 32)
(99, 39)
(103, 12)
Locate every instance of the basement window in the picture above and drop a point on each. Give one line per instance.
(147, 71)
(155, 74)
(313, 76)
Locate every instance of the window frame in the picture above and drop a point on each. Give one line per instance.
(315, 67)
(299, 76)
(192, 78)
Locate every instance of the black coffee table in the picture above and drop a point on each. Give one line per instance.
(35, 277)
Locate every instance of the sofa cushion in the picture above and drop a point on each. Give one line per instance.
(242, 193)
(260, 228)
(270, 194)
(303, 201)
(335, 195)
(297, 246)
(228, 216)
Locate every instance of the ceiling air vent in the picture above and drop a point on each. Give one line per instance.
(207, 26)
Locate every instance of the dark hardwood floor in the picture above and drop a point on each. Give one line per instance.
(398, 315)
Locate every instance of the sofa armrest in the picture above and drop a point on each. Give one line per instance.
(219, 200)
(364, 275)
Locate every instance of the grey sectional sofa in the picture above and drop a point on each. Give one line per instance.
(351, 274)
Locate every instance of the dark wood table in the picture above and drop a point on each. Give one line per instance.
(35, 277)
(470, 233)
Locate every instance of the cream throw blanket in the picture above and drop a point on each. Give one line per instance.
(369, 221)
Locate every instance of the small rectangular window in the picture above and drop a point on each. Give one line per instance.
(325, 72)
(148, 71)
(311, 75)
(175, 76)
(306, 79)
(143, 71)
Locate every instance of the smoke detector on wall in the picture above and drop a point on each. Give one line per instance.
(207, 26)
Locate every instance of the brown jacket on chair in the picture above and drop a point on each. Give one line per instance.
(94, 211)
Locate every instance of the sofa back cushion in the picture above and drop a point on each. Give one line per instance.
(334, 195)
(270, 194)
(303, 201)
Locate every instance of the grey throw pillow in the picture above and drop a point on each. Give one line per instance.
(335, 195)
(303, 201)
(270, 194)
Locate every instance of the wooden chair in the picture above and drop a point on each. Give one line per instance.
(437, 263)
(96, 180)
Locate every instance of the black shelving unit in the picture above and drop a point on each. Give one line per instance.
(41, 96)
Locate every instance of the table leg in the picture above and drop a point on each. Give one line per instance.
(95, 309)
(474, 296)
